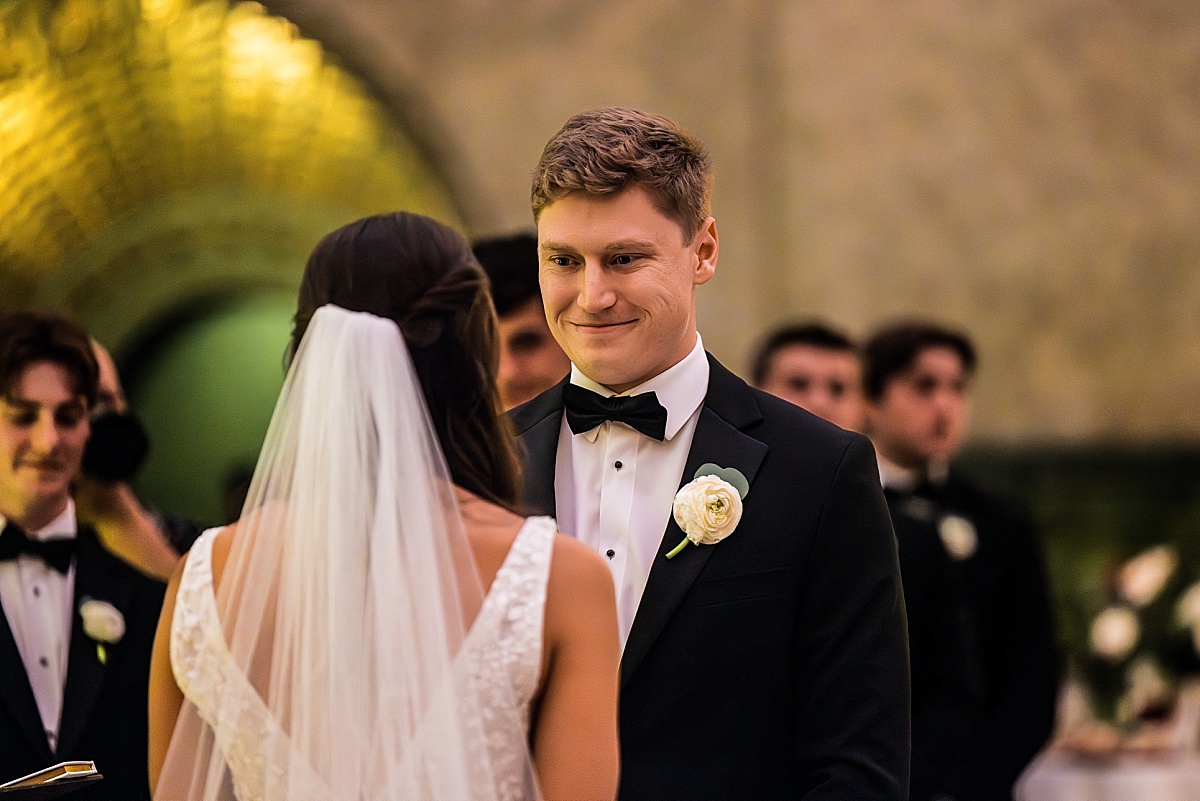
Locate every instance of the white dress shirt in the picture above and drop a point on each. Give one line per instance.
(37, 601)
(614, 487)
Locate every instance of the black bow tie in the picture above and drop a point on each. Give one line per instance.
(587, 409)
(55, 553)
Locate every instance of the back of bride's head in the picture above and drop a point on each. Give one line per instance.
(422, 276)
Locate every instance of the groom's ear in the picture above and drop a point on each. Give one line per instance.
(705, 246)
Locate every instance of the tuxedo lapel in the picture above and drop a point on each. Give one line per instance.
(96, 576)
(17, 694)
(729, 406)
(538, 423)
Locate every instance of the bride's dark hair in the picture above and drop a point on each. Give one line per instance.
(422, 275)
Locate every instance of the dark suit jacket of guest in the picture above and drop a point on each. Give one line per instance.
(104, 704)
(984, 662)
(772, 665)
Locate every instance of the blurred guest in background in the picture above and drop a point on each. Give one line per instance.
(78, 622)
(816, 367)
(530, 359)
(104, 498)
(984, 662)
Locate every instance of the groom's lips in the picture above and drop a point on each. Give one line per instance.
(602, 328)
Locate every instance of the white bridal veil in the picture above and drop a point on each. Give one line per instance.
(345, 603)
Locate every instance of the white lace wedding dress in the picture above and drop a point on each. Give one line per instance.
(500, 662)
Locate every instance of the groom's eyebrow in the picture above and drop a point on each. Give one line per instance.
(626, 245)
(546, 248)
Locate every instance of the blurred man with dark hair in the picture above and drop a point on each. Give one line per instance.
(981, 637)
(104, 496)
(78, 622)
(531, 361)
(816, 367)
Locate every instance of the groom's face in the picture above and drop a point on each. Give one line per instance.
(618, 284)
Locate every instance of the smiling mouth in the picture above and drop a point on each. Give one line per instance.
(602, 327)
(45, 467)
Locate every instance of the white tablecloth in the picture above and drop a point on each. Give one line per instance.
(1058, 776)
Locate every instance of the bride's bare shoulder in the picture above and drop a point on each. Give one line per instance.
(222, 544)
(577, 570)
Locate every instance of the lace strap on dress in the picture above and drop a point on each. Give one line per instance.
(518, 598)
(262, 764)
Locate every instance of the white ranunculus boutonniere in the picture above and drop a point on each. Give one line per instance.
(709, 506)
(104, 623)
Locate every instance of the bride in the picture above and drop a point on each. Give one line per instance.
(380, 624)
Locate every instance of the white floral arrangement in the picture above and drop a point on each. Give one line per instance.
(1143, 640)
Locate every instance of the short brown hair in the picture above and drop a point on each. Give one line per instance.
(812, 334)
(607, 150)
(29, 337)
(893, 349)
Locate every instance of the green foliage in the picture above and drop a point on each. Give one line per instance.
(1096, 508)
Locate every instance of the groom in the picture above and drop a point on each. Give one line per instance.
(772, 664)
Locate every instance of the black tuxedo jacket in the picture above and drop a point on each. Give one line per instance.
(104, 704)
(772, 665)
(984, 663)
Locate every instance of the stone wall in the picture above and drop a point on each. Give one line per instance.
(1030, 172)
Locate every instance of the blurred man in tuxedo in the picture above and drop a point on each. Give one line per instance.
(78, 622)
(815, 367)
(984, 663)
(771, 664)
(531, 361)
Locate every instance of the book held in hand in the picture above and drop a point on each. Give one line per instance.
(52, 782)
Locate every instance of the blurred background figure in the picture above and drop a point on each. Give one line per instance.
(78, 621)
(981, 636)
(530, 360)
(115, 452)
(815, 367)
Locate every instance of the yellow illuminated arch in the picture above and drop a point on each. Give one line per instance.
(157, 151)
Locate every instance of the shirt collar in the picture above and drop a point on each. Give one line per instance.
(680, 388)
(904, 479)
(62, 527)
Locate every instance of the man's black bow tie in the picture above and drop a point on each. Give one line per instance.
(55, 553)
(587, 409)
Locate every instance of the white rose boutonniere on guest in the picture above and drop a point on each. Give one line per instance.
(709, 507)
(104, 623)
(958, 536)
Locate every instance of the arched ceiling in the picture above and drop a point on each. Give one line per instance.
(179, 146)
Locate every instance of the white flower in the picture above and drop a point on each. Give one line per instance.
(959, 537)
(1187, 611)
(707, 509)
(1114, 633)
(1142, 578)
(101, 621)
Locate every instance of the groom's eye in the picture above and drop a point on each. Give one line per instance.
(623, 259)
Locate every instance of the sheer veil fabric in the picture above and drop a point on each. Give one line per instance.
(343, 610)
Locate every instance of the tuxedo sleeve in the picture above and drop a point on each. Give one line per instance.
(852, 677)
